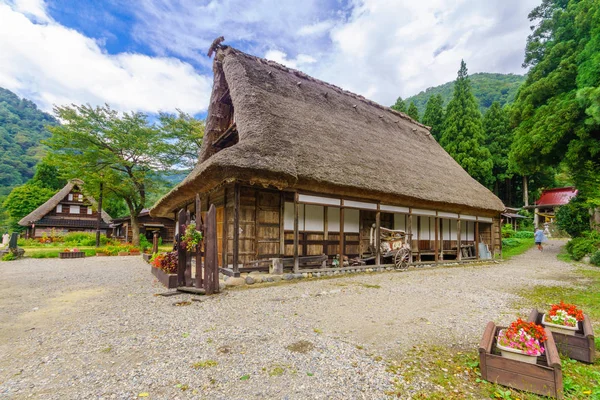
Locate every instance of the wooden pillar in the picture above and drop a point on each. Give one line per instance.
(342, 241)
(199, 278)
(458, 240)
(436, 245)
(378, 237)
(296, 241)
(155, 242)
(325, 230)
(211, 279)
(409, 224)
(225, 222)
(236, 229)
(477, 240)
(181, 253)
(281, 224)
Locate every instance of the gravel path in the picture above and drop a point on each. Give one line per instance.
(94, 328)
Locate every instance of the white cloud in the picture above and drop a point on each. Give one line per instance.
(318, 28)
(299, 62)
(51, 64)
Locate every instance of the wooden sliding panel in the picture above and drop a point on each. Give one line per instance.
(236, 228)
(267, 224)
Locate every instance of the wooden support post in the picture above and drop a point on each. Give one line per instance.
(211, 270)
(281, 224)
(342, 241)
(181, 253)
(199, 227)
(236, 229)
(326, 230)
(477, 240)
(436, 245)
(155, 242)
(378, 237)
(409, 224)
(224, 232)
(188, 254)
(296, 238)
(458, 241)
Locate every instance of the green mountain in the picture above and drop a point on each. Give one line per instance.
(21, 131)
(486, 87)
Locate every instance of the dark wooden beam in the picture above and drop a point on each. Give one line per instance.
(477, 240)
(236, 228)
(342, 242)
(281, 224)
(378, 237)
(409, 225)
(199, 227)
(436, 245)
(458, 240)
(181, 253)
(296, 234)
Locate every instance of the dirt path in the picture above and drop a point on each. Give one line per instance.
(93, 328)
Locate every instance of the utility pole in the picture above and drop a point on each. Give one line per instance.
(99, 218)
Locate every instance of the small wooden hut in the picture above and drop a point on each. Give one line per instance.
(165, 227)
(297, 167)
(69, 210)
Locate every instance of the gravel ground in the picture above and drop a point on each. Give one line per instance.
(95, 328)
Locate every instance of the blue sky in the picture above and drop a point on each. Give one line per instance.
(150, 55)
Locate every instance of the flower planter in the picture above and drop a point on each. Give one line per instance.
(579, 346)
(565, 330)
(71, 254)
(544, 377)
(515, 354)
(101, 254)
(134, 253)
(147, 257)
(169, 280)
(123, 253)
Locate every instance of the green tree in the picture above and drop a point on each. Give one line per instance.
(122, 151)
(413, 112)
(434, 116)
(47, 176)
(463, 136)
(24, 199)
(574, 217)
(498, 138)
(399, 105)
(556, 110)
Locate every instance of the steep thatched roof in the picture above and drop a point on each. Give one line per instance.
(49, 205)
(301, 133)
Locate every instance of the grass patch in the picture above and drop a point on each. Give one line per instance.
(515, 246)
(317, 331)
(204, 364)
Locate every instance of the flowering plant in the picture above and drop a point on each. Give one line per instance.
(564, 314)
(75, 250)
(191, 237)
(525, 336)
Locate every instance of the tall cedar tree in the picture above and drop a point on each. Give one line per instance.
(498, 138)
(400, 105)
(122, 151)
(413, 112)
(557, 110)
(463, 136)
(434, 116)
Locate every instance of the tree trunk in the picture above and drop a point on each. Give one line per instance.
(135, 230)
(525, 192)
(508, 182)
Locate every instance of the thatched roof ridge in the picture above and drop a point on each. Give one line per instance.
(297, 132)
(51, 203)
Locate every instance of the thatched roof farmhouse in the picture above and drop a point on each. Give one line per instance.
(276, 129)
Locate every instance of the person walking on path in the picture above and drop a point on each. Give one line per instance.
(539, 238)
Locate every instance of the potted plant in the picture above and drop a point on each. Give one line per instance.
(191, 237)
(563, 318)
(74, 253)
(522, 341)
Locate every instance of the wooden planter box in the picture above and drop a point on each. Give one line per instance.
(101, 254)
(543, 378)
(134, 253)
(579, 347)
(123, 253)
(169, 280)
(147, 257)
(71, 254)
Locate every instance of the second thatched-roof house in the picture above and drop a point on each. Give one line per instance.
(69, 210)
(299, 167)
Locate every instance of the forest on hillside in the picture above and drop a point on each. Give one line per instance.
(22, 128)
(487, 89)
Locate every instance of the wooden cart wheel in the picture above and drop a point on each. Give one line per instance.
(401, 258)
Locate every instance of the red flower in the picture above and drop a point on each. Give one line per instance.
(534, 330)
(570, 309)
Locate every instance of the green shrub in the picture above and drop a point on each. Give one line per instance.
(574, 217)
(524, 234)
(9, 257)
(595, 259)
(84, 239)
(144, 243)
(510, 242)
(507, 231)
(579, 247)
(45, 254)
